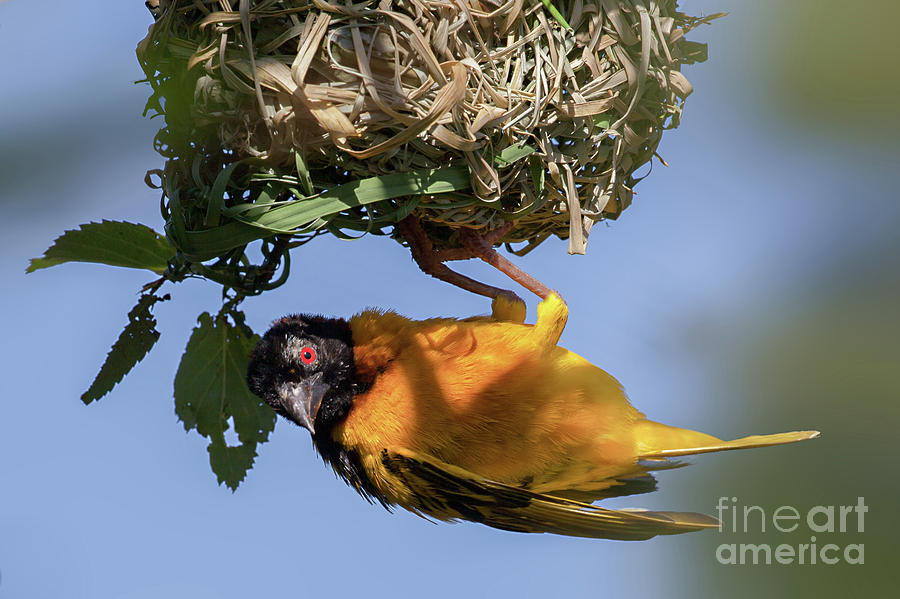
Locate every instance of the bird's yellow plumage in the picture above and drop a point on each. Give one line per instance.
(484, 419)
(500, 399)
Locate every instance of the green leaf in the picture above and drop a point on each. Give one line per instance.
(511, 154)
(216, 198)
(602, 121)
(253, 221)
(199, 246)
(303, 174)
(693, 52)
(230, 464)
(109, 242)
(292, 215)
(554, 12)
(210, 389)
(135, 342)
(536, 165)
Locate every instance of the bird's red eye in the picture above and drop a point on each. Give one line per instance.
(307, 355)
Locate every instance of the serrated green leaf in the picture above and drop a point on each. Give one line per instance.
(210, 388)
(109, 242)
(135, 342)
(231, 464)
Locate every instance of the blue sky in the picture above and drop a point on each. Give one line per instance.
(764, 204)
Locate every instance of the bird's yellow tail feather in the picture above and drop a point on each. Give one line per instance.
(658, 441)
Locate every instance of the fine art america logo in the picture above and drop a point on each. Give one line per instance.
(846, 520)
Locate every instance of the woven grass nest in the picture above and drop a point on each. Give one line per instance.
(298, 117)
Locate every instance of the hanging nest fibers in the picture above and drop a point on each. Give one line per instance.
(289, 118)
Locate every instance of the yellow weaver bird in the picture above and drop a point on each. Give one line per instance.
(484, 419)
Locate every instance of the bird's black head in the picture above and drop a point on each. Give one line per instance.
(303, 368)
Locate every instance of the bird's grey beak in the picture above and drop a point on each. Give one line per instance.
(302, 400)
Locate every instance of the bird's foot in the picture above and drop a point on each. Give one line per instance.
(432, 262)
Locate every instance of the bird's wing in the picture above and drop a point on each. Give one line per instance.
(450, 493)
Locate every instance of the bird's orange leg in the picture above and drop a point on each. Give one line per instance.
(476, 246)
(483, 247)
(432, 262)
